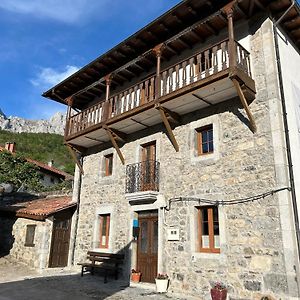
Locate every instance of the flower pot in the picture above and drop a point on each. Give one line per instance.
(161, 285)
(135, 277)
(217, 294)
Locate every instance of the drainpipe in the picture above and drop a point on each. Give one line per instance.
(286, 130)
(78, 192)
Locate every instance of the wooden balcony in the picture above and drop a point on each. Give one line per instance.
(204, 79)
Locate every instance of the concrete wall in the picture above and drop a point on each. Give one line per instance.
(257, 239)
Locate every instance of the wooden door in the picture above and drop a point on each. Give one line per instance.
(148, 246)
(148, 166)
(60, 242)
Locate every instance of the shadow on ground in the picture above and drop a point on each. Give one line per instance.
(65, 287)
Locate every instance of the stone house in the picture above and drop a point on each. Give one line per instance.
(36, 231)
(186, 139)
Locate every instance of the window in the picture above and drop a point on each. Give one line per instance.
(208, 229)
(104, 230)
(108, 164)
(205, 140)
(29, 240)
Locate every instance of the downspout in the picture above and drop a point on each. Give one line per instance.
(78, 193)
(286, 130)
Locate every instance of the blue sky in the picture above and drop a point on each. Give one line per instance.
(43, 41)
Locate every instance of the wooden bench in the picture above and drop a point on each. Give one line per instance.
(108, 262)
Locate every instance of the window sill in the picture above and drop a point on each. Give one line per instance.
(29, 245)
(103, 250)
(205, 255)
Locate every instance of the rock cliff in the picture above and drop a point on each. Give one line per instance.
(55, 124)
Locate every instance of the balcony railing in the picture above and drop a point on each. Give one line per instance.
(142, 176)
(203, 64)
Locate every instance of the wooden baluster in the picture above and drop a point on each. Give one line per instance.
(130, 98)
(197, 67)
(135, 96)
(176, 84)
(147, 90)
(206, 64)
(164, 83)
(248, 66)
(184, 73)
(192, 74)
(170, 79)
(152, 89)
(123, 97)
(215, 59)
(142, 93)
(223, 56)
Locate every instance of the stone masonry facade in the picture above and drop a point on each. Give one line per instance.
(256, 258)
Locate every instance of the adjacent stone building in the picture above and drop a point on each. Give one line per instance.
(36, 231)
(187, 142)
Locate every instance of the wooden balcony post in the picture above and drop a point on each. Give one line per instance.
(229, 10)
(69, 101)
(106, 109)
(158, 51)
(108, 79)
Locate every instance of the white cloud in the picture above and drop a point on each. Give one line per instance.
(63, 10)
(48, 77)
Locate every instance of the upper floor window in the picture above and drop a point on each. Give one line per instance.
(104, 223)
(208, 229)
(108, 164)
(205, 140)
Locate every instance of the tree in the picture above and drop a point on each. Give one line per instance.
(15, 169)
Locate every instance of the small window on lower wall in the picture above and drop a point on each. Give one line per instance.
(30, 231)
(205, 140)
(104, 222)
(208, 229)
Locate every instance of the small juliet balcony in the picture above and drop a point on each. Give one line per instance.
(206, 78)
(142, 181)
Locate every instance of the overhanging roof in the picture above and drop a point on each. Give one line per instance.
(183, 15)
(37, 209)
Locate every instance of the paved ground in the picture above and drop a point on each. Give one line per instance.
(17, 282)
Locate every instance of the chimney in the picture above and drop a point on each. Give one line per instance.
(10, 146)
(50, 163)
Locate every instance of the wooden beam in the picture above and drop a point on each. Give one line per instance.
(113, 141)
(200, 98)
(119, 135)
(168, 127)
(93, 139)
(75, 158)
(138, 122)
(175, 117)
(211, 28)
(245, 104)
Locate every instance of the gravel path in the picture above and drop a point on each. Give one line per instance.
(17, 282)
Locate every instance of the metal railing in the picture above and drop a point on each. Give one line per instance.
(142, 176)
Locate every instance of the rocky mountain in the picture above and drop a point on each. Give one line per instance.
(55, 124)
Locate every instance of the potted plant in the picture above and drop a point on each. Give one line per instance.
(135, 275)
(218, 291)
(162, 282)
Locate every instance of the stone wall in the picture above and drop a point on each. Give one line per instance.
(13, 235)
(256, 256)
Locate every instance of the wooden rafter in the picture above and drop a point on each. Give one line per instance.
(138, 122)
(113, 141)
(245, 104)
(168, 127)
(75, 158)
(200, 98)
